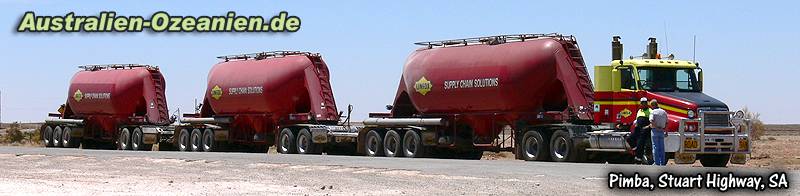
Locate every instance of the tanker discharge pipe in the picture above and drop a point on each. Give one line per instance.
(205, 120)
(405, 121)
(64, 121)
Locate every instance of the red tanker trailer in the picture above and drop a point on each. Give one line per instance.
(462, 96)
(111, 103)
(261, 99)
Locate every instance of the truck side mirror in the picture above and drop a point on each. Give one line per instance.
(700, 79)
(389, 107)
(616, 84)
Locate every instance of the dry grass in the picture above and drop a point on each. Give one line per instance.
(777, 148)
(20, 134)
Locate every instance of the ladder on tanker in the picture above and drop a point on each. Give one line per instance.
(584, 82)
(321, 71)
(160, 102)
(326, 91)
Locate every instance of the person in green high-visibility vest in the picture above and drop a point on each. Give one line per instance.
(640, 133)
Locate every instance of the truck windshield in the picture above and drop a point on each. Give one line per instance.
(668, 79)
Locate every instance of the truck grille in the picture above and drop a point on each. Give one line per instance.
(722, 120)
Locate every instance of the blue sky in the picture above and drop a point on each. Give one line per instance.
(748, 50)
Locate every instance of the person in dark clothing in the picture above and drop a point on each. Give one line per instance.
(641, 135)
(643, 139)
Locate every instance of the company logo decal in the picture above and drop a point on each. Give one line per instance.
(423, 86)
(471, 83)
(78, 95)
(216, 92)
(625, 112)
(246, 90)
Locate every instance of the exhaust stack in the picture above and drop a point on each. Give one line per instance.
(652, 48)
(616, 48)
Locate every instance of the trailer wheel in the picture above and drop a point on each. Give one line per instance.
(67, 140)
(373, 145)
(124, 139)
(286, 143)
(534, 147)
(137, 140)
(714, 160)
(305, 145)
(561, 148)
(209, 145)
(57, 133)
(183, 140)
(47, 136)
(392, 144)
(196, 140)
(412, 145)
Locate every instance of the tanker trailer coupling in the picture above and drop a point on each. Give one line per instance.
(719, 143)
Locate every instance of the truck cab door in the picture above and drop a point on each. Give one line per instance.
(625, 97)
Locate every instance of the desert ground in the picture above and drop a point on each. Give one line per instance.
(29, 169)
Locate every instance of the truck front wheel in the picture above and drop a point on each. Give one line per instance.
(534, 147)
(714, 160)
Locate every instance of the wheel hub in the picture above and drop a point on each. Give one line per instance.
(302, 144)
(531, 147)
(285, 143)
(560, 147)
(372, 145)
(411, 146)
(184, 141)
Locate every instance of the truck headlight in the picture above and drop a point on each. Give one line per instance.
(690, 113)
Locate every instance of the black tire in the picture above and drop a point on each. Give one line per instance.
(412, 145)
(534, 147)
(392, 144)
(137, 140)
(209, 144)
(67, 140)
(373, 144)
(561, 147)
(714, 160)
(286, 142)
(47, 136)
(57, 133)
(124, 139)
(305, 144)
(196, 141)
(184, 138)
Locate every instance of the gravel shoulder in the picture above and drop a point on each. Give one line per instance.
(50, 171)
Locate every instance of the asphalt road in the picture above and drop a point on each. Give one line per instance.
(27, 170)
